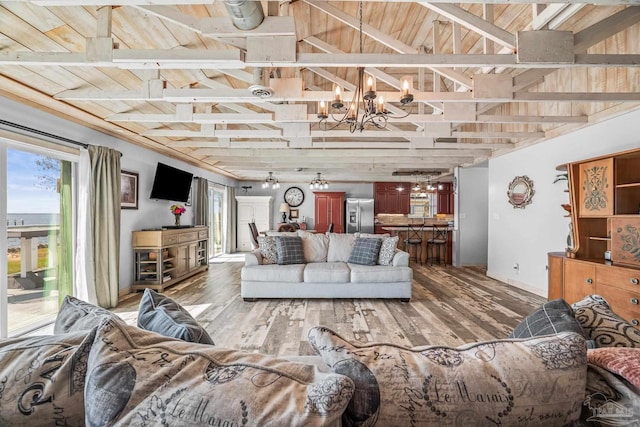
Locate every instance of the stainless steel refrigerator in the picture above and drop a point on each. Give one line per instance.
(359, 215)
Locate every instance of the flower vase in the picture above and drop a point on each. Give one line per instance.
(177, 220)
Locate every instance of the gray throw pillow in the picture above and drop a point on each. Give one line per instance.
(604, 326)
(290, 250)
(553, 317)
(160, 314)
(365, 251)
(77, 315)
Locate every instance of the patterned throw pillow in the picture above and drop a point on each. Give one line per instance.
(77, 315)
(365, 251)
(540, 381)
(553, 317)
(135, 377)
(42, 379)
(604, 326)
(160, 314)
(387, 250)
(267, 248)
(289, 249)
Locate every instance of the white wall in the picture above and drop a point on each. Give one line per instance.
(307, 208)
(525, 236)
(150, 213)
(471, 215)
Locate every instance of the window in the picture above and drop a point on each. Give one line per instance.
(217, 214)
(38, 235)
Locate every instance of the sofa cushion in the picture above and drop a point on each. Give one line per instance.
(267, 248)
(282, 233)
(159, 313)
(371, 235)
(289, 250)
(365, 251)
(387, 250)
(42, 379)
(77, 315)
(327, 272)
(340, 247)
(540, 381)
(379, 274)
(553, 317)
(315, 247)
(293, 273)
(604, 326)
(136, 377)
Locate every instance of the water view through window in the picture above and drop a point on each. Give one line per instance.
(36, 243)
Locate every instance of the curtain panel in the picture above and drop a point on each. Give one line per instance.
(201, 202)
(98, 246)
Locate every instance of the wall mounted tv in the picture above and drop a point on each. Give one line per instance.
(171, 184)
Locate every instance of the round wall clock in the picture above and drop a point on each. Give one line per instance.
(294, 196)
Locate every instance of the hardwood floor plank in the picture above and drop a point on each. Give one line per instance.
(450, 306)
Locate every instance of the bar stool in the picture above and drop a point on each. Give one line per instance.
(414, 239)
(438, 242)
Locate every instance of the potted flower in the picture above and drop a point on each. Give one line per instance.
(177, 210)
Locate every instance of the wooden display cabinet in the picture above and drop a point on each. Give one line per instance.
(388, 199)
(605, 200)
(167, 256)
(329, 209)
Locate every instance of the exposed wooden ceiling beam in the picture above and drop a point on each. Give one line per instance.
(195, 2)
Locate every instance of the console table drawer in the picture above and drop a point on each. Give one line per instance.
(170, 239)
(188, 237)
(623, 278)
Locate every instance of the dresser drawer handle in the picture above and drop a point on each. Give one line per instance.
(634, 281)
(589, 280)
(634, 322)
(634, 301)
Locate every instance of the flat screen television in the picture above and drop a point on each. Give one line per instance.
(171, 184)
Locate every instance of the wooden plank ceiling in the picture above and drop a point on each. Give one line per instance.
(173, 76)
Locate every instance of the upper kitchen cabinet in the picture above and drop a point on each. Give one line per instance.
(392, 197)
(444, 194)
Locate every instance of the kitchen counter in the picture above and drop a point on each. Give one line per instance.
(400, 230)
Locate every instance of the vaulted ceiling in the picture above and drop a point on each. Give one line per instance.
(175, 76)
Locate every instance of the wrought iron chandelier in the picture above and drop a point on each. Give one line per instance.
(271, 181)
(365, 108)
(319, 182)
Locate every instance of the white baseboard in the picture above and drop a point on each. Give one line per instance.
(516, 284)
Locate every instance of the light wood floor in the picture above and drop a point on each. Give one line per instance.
(450, 306)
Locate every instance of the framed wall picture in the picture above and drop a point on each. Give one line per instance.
(128, 190)
(293, 213)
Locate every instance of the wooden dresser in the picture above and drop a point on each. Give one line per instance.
(605, 257)
(167, 256)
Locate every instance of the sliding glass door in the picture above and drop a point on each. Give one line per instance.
(38, 239)
(216, 220)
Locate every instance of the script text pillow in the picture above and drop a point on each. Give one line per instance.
(42, 379)
(77, 315)
(267, 248)
(160, 314)
(604, 326)
(540, 381)
(387, 250)
(289, 249)
(365, 251)
(135, 377)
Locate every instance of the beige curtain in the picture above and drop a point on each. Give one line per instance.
(98, 253)
(201, 202)
(230, 241)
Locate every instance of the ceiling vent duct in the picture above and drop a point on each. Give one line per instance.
(245, 15)
(260, 87)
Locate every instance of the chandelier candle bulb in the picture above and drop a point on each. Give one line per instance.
(380, 106)
(370, 89)
(323, 110)
(337, 100)
(352, 111)
(406, 85)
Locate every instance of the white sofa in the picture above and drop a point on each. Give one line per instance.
(335, 278)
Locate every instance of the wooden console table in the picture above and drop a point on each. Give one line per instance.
(167, 256)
